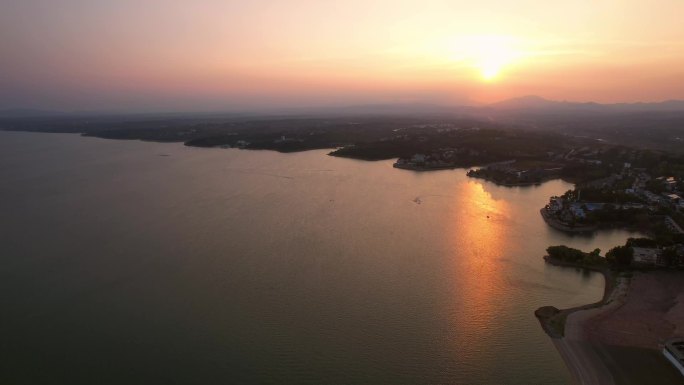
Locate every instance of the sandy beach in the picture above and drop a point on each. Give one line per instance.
(620, 342)
(644, 316)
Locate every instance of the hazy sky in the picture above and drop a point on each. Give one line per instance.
(221, 54)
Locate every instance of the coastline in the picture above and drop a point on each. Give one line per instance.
(566, 327)
(619, 339)
(551, 318)
(431, 168)
(515, 184)
(558, 225)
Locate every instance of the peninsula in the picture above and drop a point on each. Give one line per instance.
(620, 339)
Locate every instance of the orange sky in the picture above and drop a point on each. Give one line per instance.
(212, 54)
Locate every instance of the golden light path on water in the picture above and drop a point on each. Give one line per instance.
(478, 273)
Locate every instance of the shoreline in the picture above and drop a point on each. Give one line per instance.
(423, 169)
(551, 317)
(558, 225)
(515, 184)
(619, 339)
(566, 327)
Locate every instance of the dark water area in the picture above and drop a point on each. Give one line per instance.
(125, 262)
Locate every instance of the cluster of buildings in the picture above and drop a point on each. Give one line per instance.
(667, 196)
(659, 257)
(516, 173)
(442, 158)
(648, 256)
(570, 210)
(521, 172)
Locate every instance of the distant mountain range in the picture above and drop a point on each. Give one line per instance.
(539, 104)
(29, 112)
(522, 105)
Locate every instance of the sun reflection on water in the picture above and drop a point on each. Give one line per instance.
(478, 280)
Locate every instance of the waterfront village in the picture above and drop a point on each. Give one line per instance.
(643, 199)
(615, 187)
(631, 199)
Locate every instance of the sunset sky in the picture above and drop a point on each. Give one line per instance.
(201, 55)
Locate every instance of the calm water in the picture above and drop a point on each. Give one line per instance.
(146, 263)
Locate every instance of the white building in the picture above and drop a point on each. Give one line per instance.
(673, 198)
(645, 255)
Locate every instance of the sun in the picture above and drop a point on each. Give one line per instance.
(492, 54)
(492, 62)
(490, 70)
(489, 56)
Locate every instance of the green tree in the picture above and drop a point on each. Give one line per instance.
(594, 258)
(620, 255)
(565, 253)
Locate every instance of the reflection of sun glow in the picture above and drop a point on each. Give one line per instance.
(479, 226)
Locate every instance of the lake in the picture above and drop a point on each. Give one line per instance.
(127, 262)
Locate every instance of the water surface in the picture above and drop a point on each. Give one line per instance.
(125, 262)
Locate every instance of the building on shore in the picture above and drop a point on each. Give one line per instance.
(646, 256)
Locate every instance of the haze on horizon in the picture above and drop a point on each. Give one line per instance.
(229, 55)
